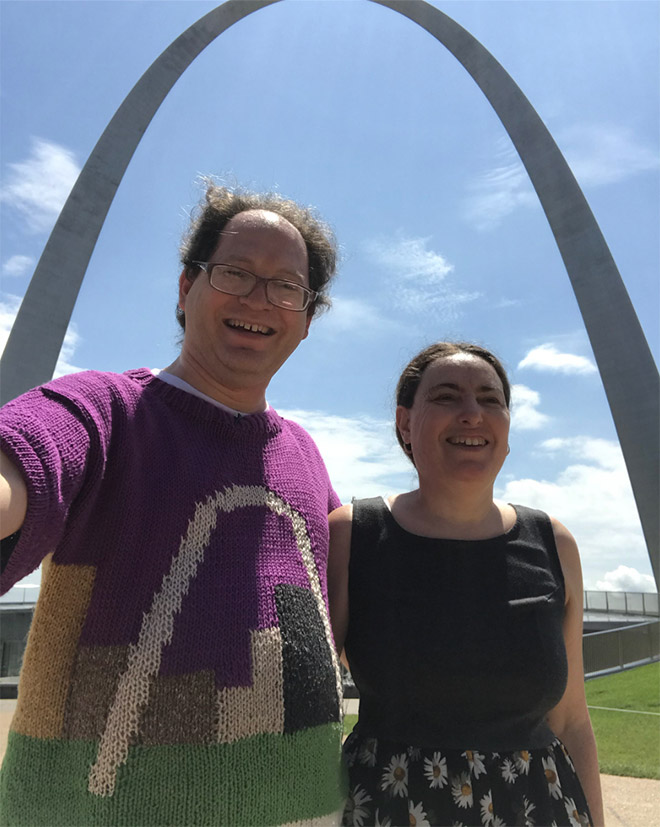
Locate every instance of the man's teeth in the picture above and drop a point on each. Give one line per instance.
(467, 440)
(253, 328)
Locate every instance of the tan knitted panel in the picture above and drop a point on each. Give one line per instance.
(181, 710)
(251, 710)
(94, 680)
(51, 649)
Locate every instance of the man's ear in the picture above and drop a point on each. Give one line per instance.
(308, 321)
(185, 284)
(403, 422)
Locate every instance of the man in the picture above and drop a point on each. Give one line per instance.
(180, 667)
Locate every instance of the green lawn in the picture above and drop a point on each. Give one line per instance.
(628, 742)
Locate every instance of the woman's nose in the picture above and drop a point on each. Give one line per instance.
(470, 411)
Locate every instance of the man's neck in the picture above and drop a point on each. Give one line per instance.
(246, 400)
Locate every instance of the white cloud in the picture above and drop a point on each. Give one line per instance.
(38, 186)
(598, 154)
(626, 579)
(17, 265)
(361, 453)
(356, 317)
(418, 275)
(548, 358)
(593, 498)
(524, 413)
(602, 154)
(9, 308)
(499, 191)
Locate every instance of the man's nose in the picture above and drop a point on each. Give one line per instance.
(257, 297)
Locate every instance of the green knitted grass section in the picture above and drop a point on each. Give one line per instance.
(268, 779)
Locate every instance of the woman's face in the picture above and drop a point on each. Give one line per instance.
(458, 425)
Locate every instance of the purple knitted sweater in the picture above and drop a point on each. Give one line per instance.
(180, 668)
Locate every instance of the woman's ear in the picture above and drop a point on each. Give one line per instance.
(403, 422)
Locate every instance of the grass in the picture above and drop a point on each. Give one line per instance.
(349, 723)
(628, 743)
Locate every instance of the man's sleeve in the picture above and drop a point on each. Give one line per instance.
(45, 436)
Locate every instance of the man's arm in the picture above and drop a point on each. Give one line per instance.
(13, 497)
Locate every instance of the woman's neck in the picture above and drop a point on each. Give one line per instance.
(456, 513)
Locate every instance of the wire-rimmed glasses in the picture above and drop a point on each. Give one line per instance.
(227, 278)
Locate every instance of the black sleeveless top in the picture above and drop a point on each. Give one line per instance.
(455, 643)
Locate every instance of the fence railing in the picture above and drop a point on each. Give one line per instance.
(620, 648)
(629, 603)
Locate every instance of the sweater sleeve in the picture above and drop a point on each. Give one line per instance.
(47, 439)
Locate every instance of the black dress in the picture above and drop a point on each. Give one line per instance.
(457, 650)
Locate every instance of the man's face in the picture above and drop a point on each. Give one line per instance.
(241, 341)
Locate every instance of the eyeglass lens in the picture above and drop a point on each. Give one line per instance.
(237, 282)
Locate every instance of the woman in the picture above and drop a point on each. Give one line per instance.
(462, 625)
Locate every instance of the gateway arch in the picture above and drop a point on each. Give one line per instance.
(626, 366)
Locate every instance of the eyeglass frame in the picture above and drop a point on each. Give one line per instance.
(310, 295)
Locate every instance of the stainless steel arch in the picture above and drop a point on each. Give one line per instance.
(626, 366)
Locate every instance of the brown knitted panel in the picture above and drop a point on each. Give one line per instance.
(94, 680)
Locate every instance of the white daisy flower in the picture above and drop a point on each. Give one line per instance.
(417, 816)
(497, 822)
(522, 759)
(508, 770)
(571, 811)
(487, 813)
(384, 823)
(475, 762)
(461, 789)
(435, 769)
(395, 777)
(554, 784)
(355, 812)
(527, 812)
(367, 754)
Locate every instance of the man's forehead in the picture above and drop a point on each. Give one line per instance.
(258, 218)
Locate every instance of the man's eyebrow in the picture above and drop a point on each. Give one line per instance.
(246, 264)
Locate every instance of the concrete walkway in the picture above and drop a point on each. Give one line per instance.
(629, 802)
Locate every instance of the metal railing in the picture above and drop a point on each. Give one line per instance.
(618, 649)
(629, 603)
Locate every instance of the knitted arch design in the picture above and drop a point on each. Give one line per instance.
(628, 372)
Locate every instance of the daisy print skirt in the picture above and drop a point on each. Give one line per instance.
(395, 786)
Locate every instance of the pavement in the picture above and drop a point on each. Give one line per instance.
(629, 802)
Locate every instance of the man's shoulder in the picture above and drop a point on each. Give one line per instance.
(91, 392)
(94, 384)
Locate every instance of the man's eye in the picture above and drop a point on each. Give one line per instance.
(235, 274)
(288, 286)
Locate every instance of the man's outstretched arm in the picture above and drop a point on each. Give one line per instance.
(13, 497)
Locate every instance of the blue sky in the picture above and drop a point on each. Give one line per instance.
(352, 108)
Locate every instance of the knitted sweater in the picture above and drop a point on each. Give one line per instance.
(180, 667)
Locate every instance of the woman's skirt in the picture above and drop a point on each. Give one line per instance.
(395, 785)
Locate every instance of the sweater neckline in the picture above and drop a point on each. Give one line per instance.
(267, 422)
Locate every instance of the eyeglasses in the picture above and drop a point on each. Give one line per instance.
(238, 282)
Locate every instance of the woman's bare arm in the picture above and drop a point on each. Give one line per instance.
(569, 720)
(340, 522)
